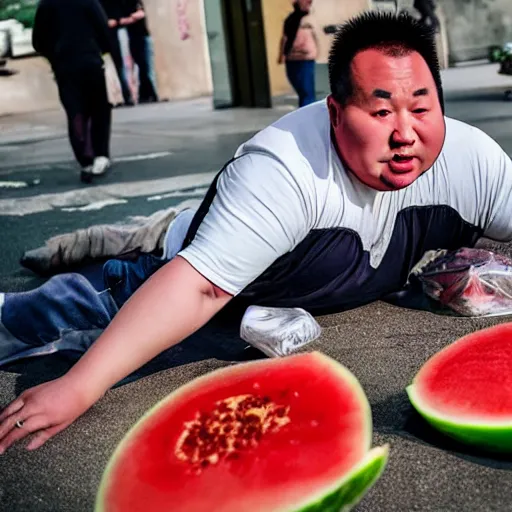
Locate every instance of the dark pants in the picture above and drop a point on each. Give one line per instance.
(68, 312)
(117, 59)
(301, 74)
(139, 51)
(83, 94)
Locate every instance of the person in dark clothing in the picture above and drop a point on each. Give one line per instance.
(114, 11)
(428, 15)
(73, 35)
(298, 49)
(140, 48)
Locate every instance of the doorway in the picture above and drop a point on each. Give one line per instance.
(238, 54)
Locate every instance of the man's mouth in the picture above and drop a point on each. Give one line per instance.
(401, 163)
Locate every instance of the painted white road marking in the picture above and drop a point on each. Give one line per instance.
(98, 205)
(84, 196)
(147, 156)
(197, 192)
(13, 184)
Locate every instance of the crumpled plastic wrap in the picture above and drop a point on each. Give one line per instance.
(469, 282)
(278, 332)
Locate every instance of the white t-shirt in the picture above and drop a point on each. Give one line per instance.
(286, 224)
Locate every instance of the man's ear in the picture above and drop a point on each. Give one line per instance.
(334, 110)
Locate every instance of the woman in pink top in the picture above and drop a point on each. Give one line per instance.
(298, 49)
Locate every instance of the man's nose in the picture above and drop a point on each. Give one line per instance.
(403, 133)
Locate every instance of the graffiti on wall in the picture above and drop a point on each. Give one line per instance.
(183, 23)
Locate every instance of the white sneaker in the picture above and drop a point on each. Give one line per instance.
(100, 165)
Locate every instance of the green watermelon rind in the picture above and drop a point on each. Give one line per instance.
(343, 494)
(484, 433)
(493, 436)
(347, 493)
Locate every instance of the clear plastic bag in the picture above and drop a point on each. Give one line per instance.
(278, 332)
(470, 282)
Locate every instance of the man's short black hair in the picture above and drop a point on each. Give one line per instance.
(395, 34)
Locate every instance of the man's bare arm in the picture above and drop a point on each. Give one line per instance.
(282, 44)
(171, 305)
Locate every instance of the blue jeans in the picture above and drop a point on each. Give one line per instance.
(69, 312)
(150, 57)
(301, 74)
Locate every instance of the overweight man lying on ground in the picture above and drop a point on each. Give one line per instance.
(329, 208)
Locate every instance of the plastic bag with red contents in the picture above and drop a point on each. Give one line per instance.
(469, 282)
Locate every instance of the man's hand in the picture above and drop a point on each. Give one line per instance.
(280, 55)
(138, 15)
(44, 410)
(126, 21)
(112, 23)
(175, 302)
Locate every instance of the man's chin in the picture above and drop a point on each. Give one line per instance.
(397, 181)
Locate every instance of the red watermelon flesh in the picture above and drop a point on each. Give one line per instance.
(466, 388)
(269, 435)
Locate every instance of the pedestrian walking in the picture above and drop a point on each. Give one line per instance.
(113, 10)
(298, 50)
(73, 35)
(141, 48)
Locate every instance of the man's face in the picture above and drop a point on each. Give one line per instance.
(392, 128)
(305, 5)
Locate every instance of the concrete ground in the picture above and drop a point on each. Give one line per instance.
(166, 154)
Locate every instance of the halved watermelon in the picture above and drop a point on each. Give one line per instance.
(465, 390)
(289, 434)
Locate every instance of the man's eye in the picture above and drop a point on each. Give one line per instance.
(419, 111)
(381, 113)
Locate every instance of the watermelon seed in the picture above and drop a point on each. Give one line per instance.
(237, 423)
(281, 411)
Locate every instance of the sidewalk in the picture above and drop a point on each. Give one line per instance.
(474, 77)
(188, 116)
(41, 137)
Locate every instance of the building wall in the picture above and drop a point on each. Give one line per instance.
(324, 12)
(474, 25)
(274, 14)
(181, 49)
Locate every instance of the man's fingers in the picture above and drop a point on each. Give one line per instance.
(41, 437)
(14, 435)
(32, 424)
(12, 408)
(10, 422)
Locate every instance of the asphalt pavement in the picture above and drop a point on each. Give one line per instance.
(163, 155)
